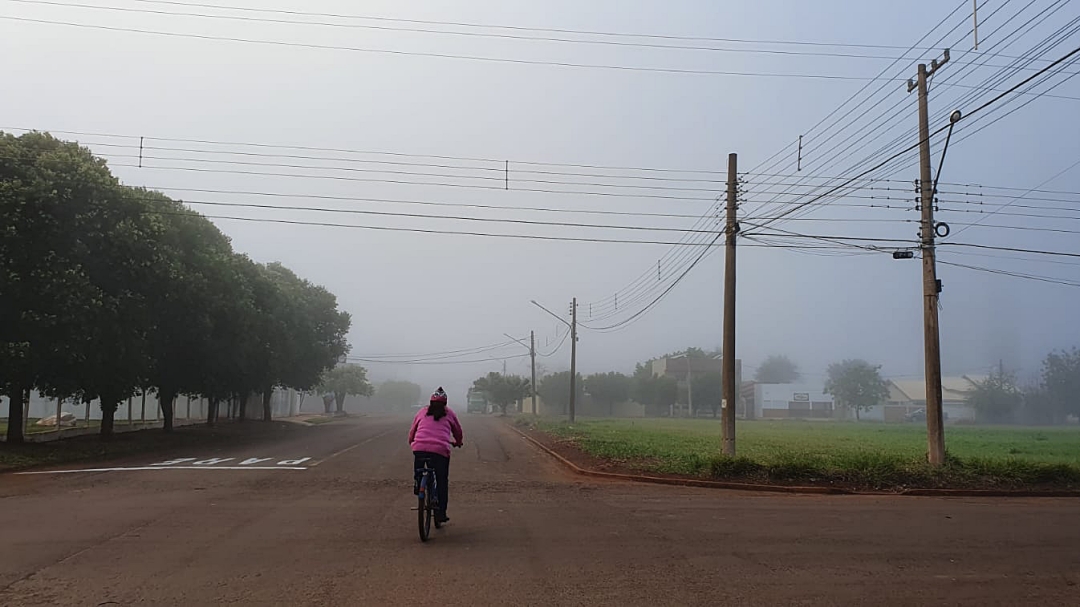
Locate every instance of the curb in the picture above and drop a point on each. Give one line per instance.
(811, 490)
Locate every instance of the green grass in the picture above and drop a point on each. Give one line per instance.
(854, 454)
(321, 420)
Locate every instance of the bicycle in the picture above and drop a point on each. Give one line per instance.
(427, 499)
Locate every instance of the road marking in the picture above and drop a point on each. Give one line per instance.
(350, 448)
(158, 467)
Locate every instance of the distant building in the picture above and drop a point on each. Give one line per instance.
(791, 401)
(907, 396)
(681, 368)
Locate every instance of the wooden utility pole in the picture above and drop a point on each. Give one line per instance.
(531, 347)
(935, 430)
(573, 357)
(572, 326)
(689, 388)
(532, 355)
(732, 227)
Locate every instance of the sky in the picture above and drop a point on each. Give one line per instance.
(359, 104)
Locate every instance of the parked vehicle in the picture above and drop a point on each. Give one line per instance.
(477, 402)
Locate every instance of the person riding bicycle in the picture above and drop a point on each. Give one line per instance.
(434, 429)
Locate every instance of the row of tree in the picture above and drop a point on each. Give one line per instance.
(998, 399)
(107, 291)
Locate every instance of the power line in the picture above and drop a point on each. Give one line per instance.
(503, 36)
(868, 134)
(427, 203)
(520, 28)
(1013, 249)
(408, 182)
(650, 305)
(383, 51)
(446, 217)
(435, 362)
(498, 179)
(437, 355)
(1013, 274)
(427, 231)
(263, 145)
(969, 114)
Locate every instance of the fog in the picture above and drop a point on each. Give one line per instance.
(413, 294)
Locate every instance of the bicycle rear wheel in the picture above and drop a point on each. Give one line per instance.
(423, 511)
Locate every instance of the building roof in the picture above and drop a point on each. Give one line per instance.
(952, 388)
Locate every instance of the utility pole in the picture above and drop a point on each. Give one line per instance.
(573, 357)
(532, 354)
(689, 389)
(728, 376)
(572, 325)
(935, 430)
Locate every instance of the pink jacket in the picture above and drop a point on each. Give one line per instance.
(432, 436)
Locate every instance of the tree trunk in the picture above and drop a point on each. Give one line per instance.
(267, 413)
(211, 411)
(856, 414)
(243, 406)
(339, 402)
(15, 414)
(167, 398)
(108, 416)
(326, 402)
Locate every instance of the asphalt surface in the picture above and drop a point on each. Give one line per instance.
(267, 527)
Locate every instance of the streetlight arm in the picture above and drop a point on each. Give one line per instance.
(559, 318)
(518, 341)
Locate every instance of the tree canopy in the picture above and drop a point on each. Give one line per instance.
(108, 290)
(608, 389)
(654, 391)
(708, 389)
(345, 380)
(503, 390)
(856, 384)
(777, 369)
(996, 399)
(398, 395)
(555, 390)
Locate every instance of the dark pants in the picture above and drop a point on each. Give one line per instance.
(441, 464)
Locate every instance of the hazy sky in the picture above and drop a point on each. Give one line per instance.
(413, 293)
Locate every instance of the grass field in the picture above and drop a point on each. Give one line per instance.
(860, 454)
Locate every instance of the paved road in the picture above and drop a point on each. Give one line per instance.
(268, 527)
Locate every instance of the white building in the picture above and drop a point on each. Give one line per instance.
(792, 401)
(909, 395)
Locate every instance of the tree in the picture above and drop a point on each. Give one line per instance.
(1061, 381)
(346, 380)
(503, 390)
(77, 258)
(777, 369)
(555, 390)
(996, 399)
(608, 389)
(655, 392)
(192, 264)
(107, 291)
(313, 336)
(856, 385)
(398, 395)
(708, 388)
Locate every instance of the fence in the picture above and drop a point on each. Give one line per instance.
(141, 411)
